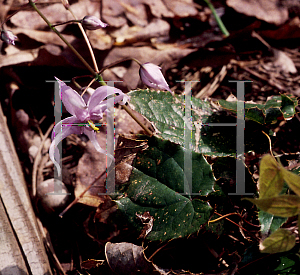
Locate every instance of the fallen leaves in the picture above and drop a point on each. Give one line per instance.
(270, 11)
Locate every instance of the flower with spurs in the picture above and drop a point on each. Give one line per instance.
(83, 116)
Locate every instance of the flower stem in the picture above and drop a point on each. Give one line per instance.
(63, 39)
(116, 63)
(98, 77)
(129, 111)
(87, 41)
(217, 17)
(67, 22)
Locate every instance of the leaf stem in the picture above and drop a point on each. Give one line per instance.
(217, 17)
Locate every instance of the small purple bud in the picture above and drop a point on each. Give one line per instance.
(92, 23)
(8, 37)
(152, 76)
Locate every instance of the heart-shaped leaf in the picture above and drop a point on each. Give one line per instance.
(270, 177)
(280, 241)
(158, 184)
(282, 206)
(292, 180)
(168, 114)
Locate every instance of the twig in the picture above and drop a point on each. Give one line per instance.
(37, 159)
(81, 195)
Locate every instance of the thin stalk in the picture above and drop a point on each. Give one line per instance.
(217, 17)
(129, 111)
(98, 77)
(67, 22)
(63, 39)
(116, 63)
(87, 41)
(93, 80)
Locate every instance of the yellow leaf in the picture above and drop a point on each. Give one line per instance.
(292, 180)
(280, 241)
(282, 206)
(271, 178)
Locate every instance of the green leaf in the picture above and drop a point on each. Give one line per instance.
(155, 186)
(292, 180)
(175, 216)
(168, 115)
(164, 161)
(282, 206)
(269, 223)
(276, 108)
(280, 241)
(288, 265)
(256, 263)
(270, 177)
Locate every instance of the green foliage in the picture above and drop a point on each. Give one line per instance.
(167, 113)
(269, 222)
(276, 108)
(157, 184)
(161, 165)
(272, 177)
(256, 263)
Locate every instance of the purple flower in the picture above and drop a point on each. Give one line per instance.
(8, 37)
(83, 116)
(152, 76)
(92, 23)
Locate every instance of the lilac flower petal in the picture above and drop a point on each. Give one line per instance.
(73, 102)
(97, 107)
(92, 137)
(64, 123)
(53, 150)
(122, 99)
(99, 95)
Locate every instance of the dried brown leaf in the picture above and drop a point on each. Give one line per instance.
(287, 31)
(165, 58)
(158, 8)
(129, 35)
(44, 36)
(181, 8)
(127, 258)
(271, 11)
